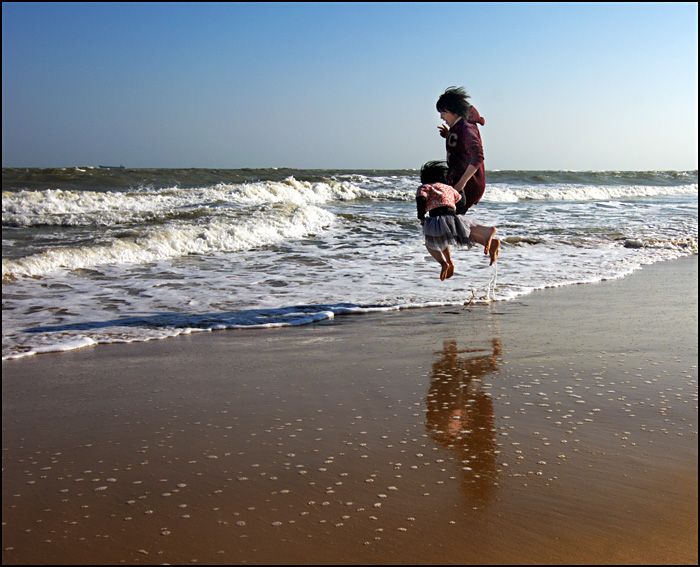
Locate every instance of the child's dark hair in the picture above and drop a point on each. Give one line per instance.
(454, 100)
(434, 172)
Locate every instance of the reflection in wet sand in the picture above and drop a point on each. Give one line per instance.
(460, 415)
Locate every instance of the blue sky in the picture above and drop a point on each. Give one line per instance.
(586, 86)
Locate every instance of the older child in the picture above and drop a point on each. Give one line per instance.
(443, 228)
(465, 154)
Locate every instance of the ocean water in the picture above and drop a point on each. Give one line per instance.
(95, 255)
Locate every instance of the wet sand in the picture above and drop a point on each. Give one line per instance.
(560, 428)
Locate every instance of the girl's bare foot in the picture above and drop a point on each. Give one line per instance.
(450, 271)
(443, 273)
(494, 247)
(489, 239)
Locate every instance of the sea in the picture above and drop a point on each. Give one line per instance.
(94, 255)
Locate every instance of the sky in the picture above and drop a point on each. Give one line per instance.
(562, 86)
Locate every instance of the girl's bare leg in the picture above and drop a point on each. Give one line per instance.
(494, 247)
(450, 266)
(437, 254)
(484, 235)
(445, 262)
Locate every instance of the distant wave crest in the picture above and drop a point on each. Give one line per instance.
(61, 207)
(514, 193)
(178, 239)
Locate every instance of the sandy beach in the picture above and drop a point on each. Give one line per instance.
(558, 428)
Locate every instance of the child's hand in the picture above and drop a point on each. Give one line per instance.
(444, 130)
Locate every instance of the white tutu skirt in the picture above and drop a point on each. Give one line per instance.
(447, 230)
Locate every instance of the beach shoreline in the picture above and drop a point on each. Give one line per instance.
(559, 427)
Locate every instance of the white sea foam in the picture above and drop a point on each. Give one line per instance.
(505, 193)
(110, 208)
(150, 263)
(179, 239)
(293, 191)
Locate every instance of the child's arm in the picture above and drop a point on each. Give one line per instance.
(461, 184)
(420, 206)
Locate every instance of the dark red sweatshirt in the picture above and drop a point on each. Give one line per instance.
(464, 147)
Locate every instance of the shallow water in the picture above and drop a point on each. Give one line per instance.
(98, 256)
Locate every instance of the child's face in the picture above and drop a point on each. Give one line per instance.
(449, 117)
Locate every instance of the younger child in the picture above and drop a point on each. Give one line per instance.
(443, 228)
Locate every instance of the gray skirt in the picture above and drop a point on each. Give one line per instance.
(448, 230)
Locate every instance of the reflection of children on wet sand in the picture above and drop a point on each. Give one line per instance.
(460, 415)
(443, 228)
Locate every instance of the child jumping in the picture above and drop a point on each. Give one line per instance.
(465, 154)
(443, 228)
